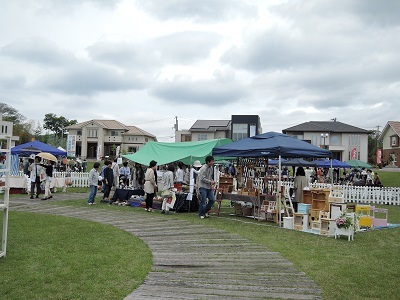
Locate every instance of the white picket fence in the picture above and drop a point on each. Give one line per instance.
(72, 179)
(352, 194)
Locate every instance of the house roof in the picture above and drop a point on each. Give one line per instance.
(395, 125)
(325, 126)
(108, 124)
(133, 130)
(211, 125)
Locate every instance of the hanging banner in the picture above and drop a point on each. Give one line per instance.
(98, 152)
(117, 150)
(71, 145)
(354, 153)
(378, 156)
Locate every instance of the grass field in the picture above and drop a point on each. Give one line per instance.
(53, 257)
(364, 269)
(389, 179)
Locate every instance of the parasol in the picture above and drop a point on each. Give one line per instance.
(47, 156)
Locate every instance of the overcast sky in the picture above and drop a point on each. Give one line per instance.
(145, 62)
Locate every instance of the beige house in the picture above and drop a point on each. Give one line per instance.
(98, 138)
(345, 141)
(390, 144)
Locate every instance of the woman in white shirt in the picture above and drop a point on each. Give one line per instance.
(150, 184)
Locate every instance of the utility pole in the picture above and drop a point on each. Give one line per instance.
(176, 123)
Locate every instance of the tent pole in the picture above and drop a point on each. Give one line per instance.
(279, 190)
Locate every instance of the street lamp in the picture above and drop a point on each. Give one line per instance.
(324, 136)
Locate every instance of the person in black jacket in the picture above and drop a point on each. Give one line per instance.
(108, 180)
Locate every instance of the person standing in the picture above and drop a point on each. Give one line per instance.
(108, 180)
(49, 168)
(84, 165)
(115, 169)
(167, 193)
(36, 171)
(125, 173)
(150, 184)
(179, 173)
(205, 184)
(300, 182)
(93, 182)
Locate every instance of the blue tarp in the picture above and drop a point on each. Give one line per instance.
(29, 148)
(271, 144)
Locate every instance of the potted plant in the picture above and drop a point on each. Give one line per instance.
(345, 225)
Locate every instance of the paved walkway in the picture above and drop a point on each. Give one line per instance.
(193, 261)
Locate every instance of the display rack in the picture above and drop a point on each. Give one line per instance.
(5, 188)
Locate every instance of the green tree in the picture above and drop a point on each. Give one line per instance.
(56, 124)
(373, 145)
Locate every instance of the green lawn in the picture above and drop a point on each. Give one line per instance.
(53, 257)
(366, 268)
(389, 179)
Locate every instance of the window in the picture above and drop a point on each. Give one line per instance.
(394, 141)
(3, 129)
(92, 133)
(202, 137)
(239, 131)
(252, 129)
(79, 132)
(114, 133)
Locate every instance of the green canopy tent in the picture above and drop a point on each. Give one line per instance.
(186, 152)
(355, 163)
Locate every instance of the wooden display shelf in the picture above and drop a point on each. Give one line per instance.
(307, 197)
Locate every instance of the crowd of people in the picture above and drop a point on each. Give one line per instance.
(111, 176)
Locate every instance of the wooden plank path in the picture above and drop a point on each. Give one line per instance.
(194, 261)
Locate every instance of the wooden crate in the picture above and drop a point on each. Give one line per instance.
(248, 211)
(238, 209)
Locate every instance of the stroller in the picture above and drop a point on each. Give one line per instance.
(123, 181)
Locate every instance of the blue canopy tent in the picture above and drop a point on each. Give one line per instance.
(36, 147)
(272, 145)
(334, 163)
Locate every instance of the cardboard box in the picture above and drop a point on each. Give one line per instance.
(238, 209)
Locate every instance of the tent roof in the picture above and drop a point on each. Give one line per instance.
(43, 147)
(326, 163)
(186, 152)
(298, 162)
(271, 144)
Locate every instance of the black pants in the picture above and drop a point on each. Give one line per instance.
(149, 200)
(107, 191)
(38, 188)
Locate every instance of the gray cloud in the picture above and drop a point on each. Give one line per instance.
(204, 92)
(69, 6)
(12, 82)
(200, 11)
(37, 51)
(371, 13)
(90, 79)
(179, 48)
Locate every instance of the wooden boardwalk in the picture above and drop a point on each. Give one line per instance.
(193, 261)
